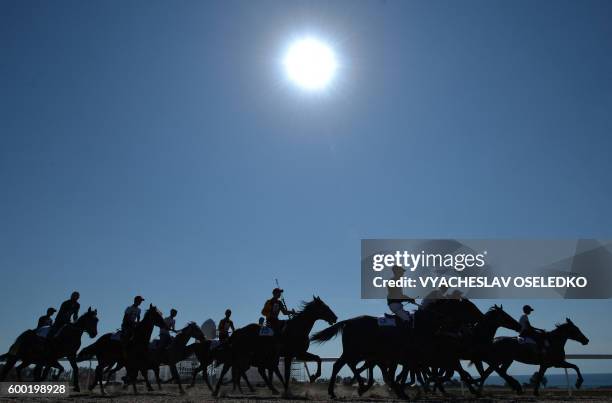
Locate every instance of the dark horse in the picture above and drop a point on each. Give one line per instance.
(172, 354)
(504, 350)
(109, 351)
(364, 340)
(292, 342)
(206, 353)
(473, 341)
(33, 349)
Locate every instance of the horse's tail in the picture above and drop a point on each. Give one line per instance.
(88, 352)
(329, 333)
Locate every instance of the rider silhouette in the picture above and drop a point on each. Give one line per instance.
(272, 308)
(395, 297)
(68, 310)
(46, 320)
(164, 334)
(225, 325)
(131, 317)
(529, 331)
(434, 295)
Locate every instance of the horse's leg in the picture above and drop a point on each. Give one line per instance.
(60, 370)
(335, 369)
(306, 356)
(177, 377)
(226, 368)
(236, 375)
(19, 368)
(246, 380)
(465, 377)
(513, 383)
(353, 367)
(8, 365)
(75, 372)
(97, 378)
(481, 372)
(157, 380)
(37, 372)
(287, 374)
(145, 374)
(266, 378)
(194, 376)
(205, 376)
(579, 379)
(538, 380)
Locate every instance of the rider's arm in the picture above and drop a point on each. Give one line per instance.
(232, 326)
(75, 313)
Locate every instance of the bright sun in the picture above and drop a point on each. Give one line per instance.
(311, 64)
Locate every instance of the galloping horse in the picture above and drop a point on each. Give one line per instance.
(171, 354)
(109, 351)
(504, 350)
(363, 339)
(292, 342)
(33, 349)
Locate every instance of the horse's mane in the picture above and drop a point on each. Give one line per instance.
(305, 306)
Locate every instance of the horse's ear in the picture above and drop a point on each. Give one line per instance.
(501, 306)
(89, 309)
(568, 320)
(150, 306)
(96, 311)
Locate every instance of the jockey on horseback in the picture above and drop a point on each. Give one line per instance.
(225, 325)
(46, 320)
(68, 312)
(164, 334)
(130, 318)
(395, 297)
(528, 331)
(272, 308)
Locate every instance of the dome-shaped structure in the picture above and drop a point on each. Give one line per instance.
(209, 328)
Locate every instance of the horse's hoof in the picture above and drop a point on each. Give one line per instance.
(182, 392)
(313, 378)
(360, 391)
(215, 394)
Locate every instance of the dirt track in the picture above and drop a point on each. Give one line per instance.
(316, 392)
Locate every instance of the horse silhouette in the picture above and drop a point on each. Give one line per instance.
(45, 352)
(504, 350)
(109, 351)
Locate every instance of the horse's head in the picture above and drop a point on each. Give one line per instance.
(319, 310)
(89, 322)
(502, 319)
(573, 332)
(155, 316)
(193, 330)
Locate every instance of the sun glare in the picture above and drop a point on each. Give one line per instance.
(311, 64)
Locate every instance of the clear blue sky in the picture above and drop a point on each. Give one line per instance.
(156, 148)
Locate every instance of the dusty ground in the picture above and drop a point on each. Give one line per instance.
(317, 392)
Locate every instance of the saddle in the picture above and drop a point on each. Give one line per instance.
(266, 331)
(388, 320)
(43, 331)
(525, 340)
